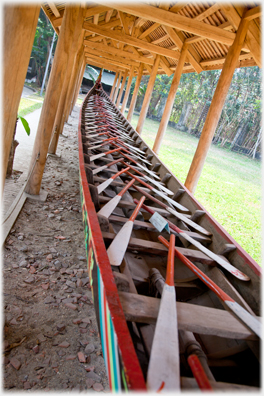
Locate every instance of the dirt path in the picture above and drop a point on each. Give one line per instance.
(51, 337)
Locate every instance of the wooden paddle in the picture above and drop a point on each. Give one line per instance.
(164, 364)
(160, 193)
(248, 319)
(174, 212)
(118, 247)
(107, 141)
(107, 182)
(224, 264)
(96, 156)
(141, 166)
(199, 373)
(110, 206)
(101, 168)
(166, 190)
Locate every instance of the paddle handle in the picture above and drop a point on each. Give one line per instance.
(134, 169)
(199, 373)
(140, 181)
(120, 173)
(113, 151)
(128, 158)
(200, 274)
(147, 195)
(122, 192)
(170, 262)
(137, 209)
(114, 162)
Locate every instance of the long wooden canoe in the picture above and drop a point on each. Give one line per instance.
(217, 284)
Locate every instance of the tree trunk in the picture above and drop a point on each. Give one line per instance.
(12, 154)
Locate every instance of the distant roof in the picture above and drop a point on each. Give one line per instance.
(107, 78)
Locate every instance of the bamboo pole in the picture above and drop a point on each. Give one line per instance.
(77, 38)
(123, 108)
(117, 86)
(20, 22)
(216, 107)
(134, 97)
(113, 87)
(121, 89)
(51, 101)
(170, 100)
(148, 94)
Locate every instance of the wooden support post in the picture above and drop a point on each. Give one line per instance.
(117, 86)
(77, 38)
(216, 107)
(20, 22)
(134, 97)
(113, 87)
(78, 85)
(170, 100)
(148, 94)
(51, 101)
(121, 89)
(74, 77)
(123, 108)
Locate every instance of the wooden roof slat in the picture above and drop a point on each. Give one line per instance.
(108, 61)
(208, 12)
(124, 22)
(96, 10)
(130, 40)
(109, 57)
(54, 9)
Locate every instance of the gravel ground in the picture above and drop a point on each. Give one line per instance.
(51, 339)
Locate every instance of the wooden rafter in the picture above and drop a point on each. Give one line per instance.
(54, 9)
(109, 57)
(96, 10)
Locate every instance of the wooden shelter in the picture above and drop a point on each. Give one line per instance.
(129, 39)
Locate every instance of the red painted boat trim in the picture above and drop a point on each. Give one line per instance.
(134, 376)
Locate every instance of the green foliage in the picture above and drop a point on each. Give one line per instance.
(42, 44)
(25, 124)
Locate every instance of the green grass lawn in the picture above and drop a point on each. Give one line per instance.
(229, 186)
(29, 104)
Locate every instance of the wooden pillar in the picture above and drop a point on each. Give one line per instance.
(117, 86)
(148, 94)
(74, 77)
(113, 87)
(20, 22)
(216, 107)
(51, 101)
(121, 89)
(123, 108)
(78, 85)
(77, 38)
(134, 97)
(170, 100)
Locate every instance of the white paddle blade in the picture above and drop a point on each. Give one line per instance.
(95, 171)
(224, 264)
(166, 190)
(118, 247)
(168, 199)
(248, 319)
(164, 364)
(109, 207)
(104, 185)
(188, 221)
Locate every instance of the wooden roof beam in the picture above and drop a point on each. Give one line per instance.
(130, 40)
(101, 64)
(109, 57)
(253, 13)
(108, 61)
(149, 30)
(208, 12)
(54, 9)
(251, 40)
(124, 22)
(221, 60)
(115, 51)
(180, 22)
(96, 10)
(108, 15)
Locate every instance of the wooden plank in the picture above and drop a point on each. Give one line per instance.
(105, 65)
(123, 19)
(106, 61)
(208, 12)
(142, 245)
(54, 9)
(191, 317)
(149, 30)
(96, 10)
(130, 40)
(110, 57)
(180, 22)
(253, 13)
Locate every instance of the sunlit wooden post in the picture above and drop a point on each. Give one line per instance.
(121, 89)
(170, 100)
(148, 94)
(20, 22)
(117, 87)
(123, 108)
(134, 97)
(78, 85)
(113, 87)
(216, 107)
(51, 101)
(60, 115)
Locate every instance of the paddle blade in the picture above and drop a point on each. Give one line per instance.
(110, 206)
(118, 247)
(249, 320)
(104, 185)
(164, 366)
